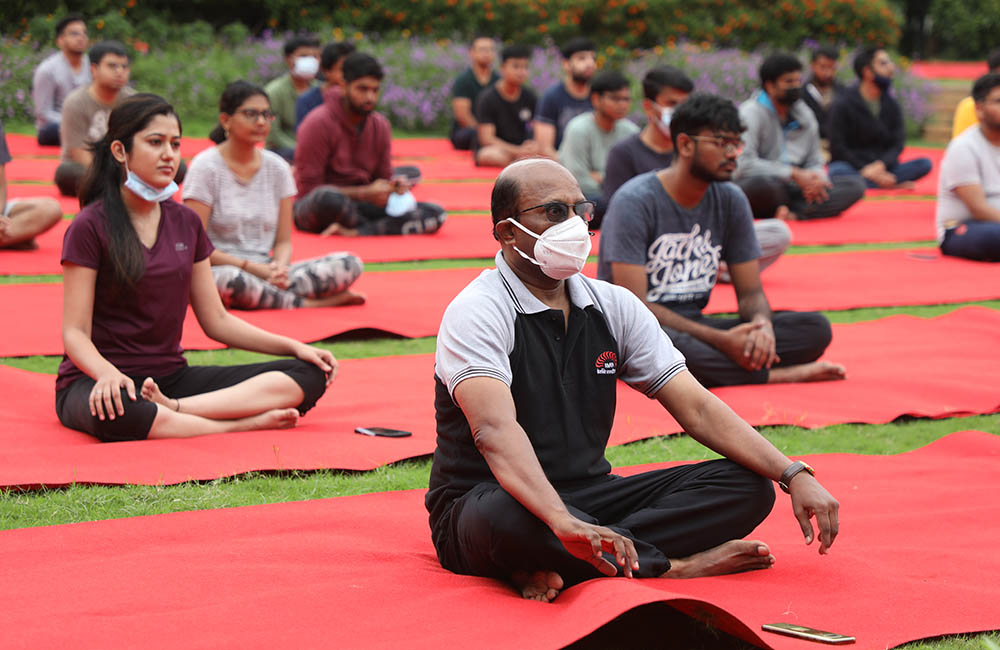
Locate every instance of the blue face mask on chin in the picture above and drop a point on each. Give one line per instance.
(145, 191)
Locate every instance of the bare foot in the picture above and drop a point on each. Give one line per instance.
(906, 185)
(734, 556)
(150, 391)
(273, 419)
(785, 214)
(342, 299)
(815, 371)
(540, 585)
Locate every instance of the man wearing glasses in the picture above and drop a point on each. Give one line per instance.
(665, 238)
(528, 359)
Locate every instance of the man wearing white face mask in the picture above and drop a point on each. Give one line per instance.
(302, 59)
(663, 88)
(528, 359)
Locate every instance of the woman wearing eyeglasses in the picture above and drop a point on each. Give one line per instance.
(244, 196)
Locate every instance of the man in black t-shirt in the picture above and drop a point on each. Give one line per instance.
(528, 360)
(504, 112)
(479, 76)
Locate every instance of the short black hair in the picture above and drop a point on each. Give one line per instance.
(981, 89)
(608, 81)
(334, 52)
(515, 51)
(825, 51)
(993, 60)
(479, 36)
(665, 76)
(66, 21)
(578, 44)
(705, 111)
(503, 200)
(296, 42)
(104, 48)
(359, 64)
(778, 64)
(863, 59)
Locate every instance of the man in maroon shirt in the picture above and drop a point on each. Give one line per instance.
(343, 168)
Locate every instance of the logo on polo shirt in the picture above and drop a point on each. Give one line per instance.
(607, 363)
(180, 246)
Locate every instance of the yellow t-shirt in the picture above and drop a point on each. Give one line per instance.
(965, 116)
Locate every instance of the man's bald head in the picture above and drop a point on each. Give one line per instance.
(525, 176)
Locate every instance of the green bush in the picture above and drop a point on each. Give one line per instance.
(965, 28)
(111, 26)
(196, 34)
(234, 34)
(625, 24)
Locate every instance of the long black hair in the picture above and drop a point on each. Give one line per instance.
(104, 178)
(232, 98)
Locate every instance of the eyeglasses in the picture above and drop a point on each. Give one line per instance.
(557, 212)
(728, 145)
(253, 114)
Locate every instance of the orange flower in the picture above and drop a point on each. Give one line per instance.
(100, 24)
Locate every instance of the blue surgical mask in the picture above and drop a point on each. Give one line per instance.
(883, 82)
(145, 191)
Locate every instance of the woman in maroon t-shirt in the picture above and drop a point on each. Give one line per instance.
(133, 260)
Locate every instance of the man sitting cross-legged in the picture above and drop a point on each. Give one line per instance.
(666, 234)
(781, 167)
(504, 112)
(343, 164)
(528, 360)
(968, 209)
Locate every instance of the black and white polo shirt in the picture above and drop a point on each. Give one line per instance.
(563, 380)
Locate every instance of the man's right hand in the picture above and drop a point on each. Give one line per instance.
(814, 186)
(588, 542)
(378, 192)
(735, 342)
(878, 174)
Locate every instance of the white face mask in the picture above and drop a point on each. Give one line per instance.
(664, 122)
(400, 204)
(145, 191)
(562, 250)
(305, 67)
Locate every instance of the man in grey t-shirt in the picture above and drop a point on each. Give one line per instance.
(528, 360)
(667, 233)
(968, 209)
(590, 136)
(58, 75)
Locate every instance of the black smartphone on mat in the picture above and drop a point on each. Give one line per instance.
(808, 633)
(382, 432)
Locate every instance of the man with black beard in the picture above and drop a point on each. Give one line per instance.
(343, 166)
(822, 87)
(867, 129)
(568, 98)
(664, 237)
(781, 168)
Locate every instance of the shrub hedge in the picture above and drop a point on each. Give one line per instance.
(748, 24)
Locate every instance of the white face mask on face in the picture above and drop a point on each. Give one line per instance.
(562, 250)
(145, 191)
(305, 67)
(663, 123)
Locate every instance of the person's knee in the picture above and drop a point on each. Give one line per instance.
(134, 424)
(68, 177)
(922, 167)
(813, 327)
(322, 207)
(310, 379)
(774, 236)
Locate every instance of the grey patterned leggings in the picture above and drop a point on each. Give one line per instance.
(315, 278)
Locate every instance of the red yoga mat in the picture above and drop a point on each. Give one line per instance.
(361, 572)
(398, 392)
(411, 303)
(31, 169)
(968, 70)
(920, 276)
(423, 148)
(452, 169)
(868, 222)
(474, 195)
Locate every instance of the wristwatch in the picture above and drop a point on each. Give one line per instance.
(791, 471)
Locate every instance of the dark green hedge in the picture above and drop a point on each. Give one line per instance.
(622, 23)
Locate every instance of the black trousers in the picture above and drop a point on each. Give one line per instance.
(324, 206)
(767, 193)
(73, 406)
(669, 513)
(800, 337)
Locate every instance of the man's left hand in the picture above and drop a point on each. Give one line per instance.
(810, 499)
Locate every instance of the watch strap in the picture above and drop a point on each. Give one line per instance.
(791, 471)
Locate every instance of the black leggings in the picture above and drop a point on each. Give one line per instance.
(73, 406)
